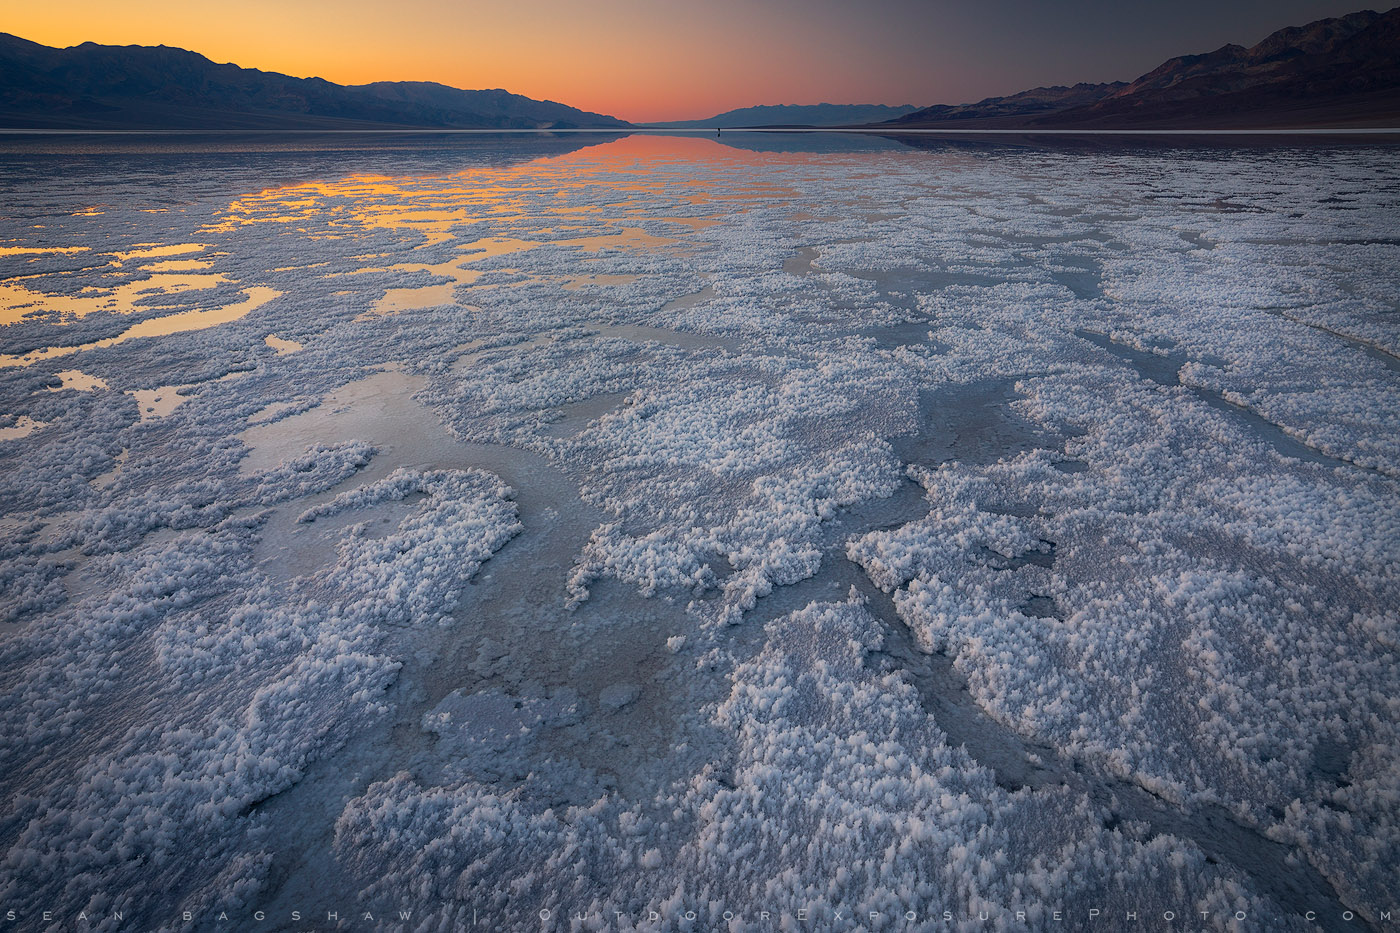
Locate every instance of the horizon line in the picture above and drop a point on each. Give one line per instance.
(665, 131)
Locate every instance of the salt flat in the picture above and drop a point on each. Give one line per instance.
(651, 526)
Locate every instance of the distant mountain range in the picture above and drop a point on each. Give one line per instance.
(94, 86)
(794, 115)
(1341, 72)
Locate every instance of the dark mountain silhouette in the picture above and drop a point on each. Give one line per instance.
(143, 87)
(1340, 72)
(1014, 109)
(794, 115)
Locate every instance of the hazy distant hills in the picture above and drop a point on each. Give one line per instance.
(1013, 110)
(794, 115)
(1341, 72)
(94, 86)
(1332, 73)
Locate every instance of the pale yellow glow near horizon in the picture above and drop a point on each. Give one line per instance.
(652, 60)
(628, 58)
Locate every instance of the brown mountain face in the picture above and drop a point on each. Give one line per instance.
(1341, 72)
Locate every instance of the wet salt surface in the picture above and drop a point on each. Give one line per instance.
(724, 515)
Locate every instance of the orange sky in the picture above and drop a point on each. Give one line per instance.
(634, 59)
(680, 59)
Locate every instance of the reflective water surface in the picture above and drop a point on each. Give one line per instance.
(606, 525)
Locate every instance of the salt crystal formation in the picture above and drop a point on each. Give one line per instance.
(695, 531)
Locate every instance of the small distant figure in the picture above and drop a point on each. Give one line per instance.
(719, 132)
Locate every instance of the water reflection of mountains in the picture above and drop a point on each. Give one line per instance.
(273, 158)
(173, 160)
(788, 141)
(508, 146)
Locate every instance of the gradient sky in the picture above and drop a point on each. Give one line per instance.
(681, 59)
